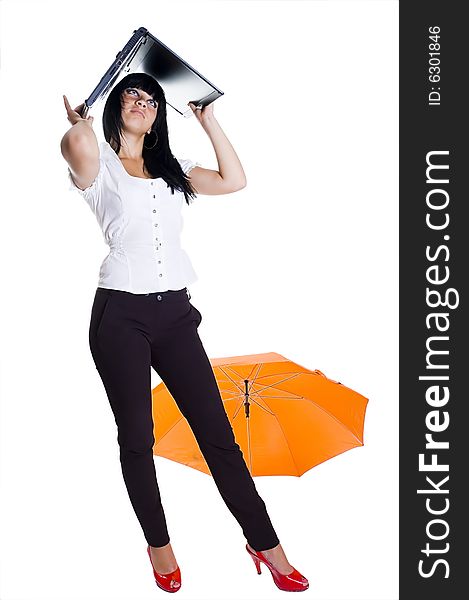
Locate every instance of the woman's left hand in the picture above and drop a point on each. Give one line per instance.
(202, 114)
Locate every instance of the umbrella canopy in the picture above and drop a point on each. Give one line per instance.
(285, 418)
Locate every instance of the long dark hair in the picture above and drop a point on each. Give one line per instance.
(159, 160)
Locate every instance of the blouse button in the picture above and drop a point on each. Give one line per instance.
(154, 210)
(161, 274)
(151, 182)
(156, 224)
(154, 196)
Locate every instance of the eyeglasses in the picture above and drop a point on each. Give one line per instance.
(133, 91)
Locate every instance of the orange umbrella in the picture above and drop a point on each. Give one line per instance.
(285, 418)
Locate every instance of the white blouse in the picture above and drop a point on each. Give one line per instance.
(141, 223)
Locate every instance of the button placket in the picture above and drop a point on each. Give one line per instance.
(157, 240)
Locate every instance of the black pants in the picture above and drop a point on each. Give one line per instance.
(129, 334)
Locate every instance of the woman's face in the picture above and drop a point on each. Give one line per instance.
(138, 110)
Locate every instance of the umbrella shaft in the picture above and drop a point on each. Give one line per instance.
(246, 398)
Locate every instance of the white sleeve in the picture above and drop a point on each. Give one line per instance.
(187, 164)
(92, 194)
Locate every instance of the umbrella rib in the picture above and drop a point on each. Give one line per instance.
(237, 411)
(228, 391)
(234, 371)
(330, 415)
(277, 382)
(292, 397)
(268, 410)
(232, 380)
(281, 374)
(288, 445)
(254, 377)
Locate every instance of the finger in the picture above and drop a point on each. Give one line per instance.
(69, 109)
(67, 104)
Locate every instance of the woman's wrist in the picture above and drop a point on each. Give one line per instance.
(209, 121)
(80, 130)
(87, 121)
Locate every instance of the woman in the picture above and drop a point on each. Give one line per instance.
(142, 316)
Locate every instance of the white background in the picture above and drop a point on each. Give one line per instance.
(303, 262)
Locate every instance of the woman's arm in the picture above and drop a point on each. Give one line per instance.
(230, 176)
(79, 147)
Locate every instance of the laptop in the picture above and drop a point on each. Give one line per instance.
(144, 53)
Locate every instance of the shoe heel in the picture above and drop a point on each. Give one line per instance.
(257, 562)
(293, 582)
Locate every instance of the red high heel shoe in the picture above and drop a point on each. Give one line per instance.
(293, 582)
(169, 582)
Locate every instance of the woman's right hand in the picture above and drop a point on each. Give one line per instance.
(74, 115)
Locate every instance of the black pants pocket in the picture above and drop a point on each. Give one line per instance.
(197, 314)
(98, 311)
